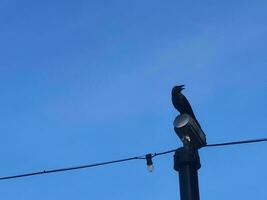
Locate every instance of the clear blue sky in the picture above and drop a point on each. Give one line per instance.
(90, 81)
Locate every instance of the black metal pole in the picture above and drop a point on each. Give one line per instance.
(187, 163)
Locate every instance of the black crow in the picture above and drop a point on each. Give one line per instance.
(180, 102)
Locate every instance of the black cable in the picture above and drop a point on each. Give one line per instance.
(123, 160)
(164, 152)
(237, 142)
(70, 168)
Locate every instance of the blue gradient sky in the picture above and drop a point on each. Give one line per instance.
(90, 81)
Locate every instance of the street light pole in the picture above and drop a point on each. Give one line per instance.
(186, 158)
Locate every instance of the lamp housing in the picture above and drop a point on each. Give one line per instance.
(188, 131)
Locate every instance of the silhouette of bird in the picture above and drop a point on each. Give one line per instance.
(180, 102)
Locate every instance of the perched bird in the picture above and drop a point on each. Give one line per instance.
(180, 102)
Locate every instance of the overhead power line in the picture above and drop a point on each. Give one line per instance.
(237, 142)
(70, 168)
(143, 157)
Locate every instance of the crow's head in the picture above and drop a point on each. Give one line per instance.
(177, 89)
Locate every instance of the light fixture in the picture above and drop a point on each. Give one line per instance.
(149, 162)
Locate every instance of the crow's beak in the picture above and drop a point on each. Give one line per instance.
(181, 86)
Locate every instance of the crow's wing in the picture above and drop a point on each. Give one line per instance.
(181, 103)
